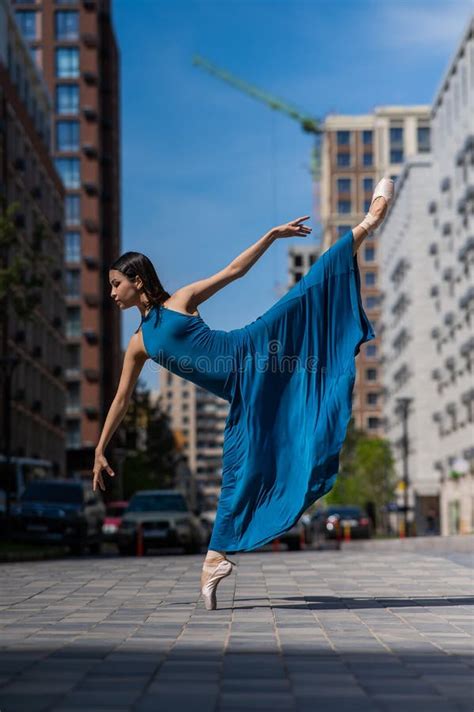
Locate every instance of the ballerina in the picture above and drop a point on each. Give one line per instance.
(288, 377)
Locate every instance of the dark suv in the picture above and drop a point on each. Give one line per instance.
(60, 512)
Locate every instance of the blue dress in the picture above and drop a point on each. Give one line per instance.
(288, 377)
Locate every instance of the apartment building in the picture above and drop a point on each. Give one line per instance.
(427, 258)
(197, 418)
(28, 178)
(74, 46)
(300, 260)
(356, 152)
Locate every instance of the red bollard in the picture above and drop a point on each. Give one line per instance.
(302, 540)
(347, 532)
(140, 550)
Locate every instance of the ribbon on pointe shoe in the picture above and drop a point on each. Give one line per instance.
(383, 189)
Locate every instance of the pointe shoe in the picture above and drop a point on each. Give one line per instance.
(218, 571)
(384, 189)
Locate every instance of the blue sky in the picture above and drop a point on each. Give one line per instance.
(207, 170)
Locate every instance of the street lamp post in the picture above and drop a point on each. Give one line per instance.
(403, 405)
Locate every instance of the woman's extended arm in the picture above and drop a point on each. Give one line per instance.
(132, 366)
(194, 294)
(248, 257)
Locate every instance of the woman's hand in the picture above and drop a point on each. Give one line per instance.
(293, 228)
(100, 463)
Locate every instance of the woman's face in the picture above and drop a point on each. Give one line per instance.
(123, 292)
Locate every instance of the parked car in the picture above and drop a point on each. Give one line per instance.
(207, 519)
(113, 517)
(328, 524)
(165, 520)
(61, 512)
(294, 538)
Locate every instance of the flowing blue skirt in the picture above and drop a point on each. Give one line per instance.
(290, 402)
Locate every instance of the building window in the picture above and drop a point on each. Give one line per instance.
(371, 350)
(342, 229)
(343, 159)
(368, 184)
(73, 209)
(367, 137)
(366, 205)
(343, 206)
(423, 138)
(67, 99)
(73, 394)
(298, 260)
(70, 171)
(372, 398)
(73, 439)
(36, 55)
(73, 322)
(343, 138)
(73, 283)
(73, 247)
(370, 279)
(396, 155)
(370, 374)
(396, 135)
(67, 25)
(371, 302)
(372, 423)
(369, 254)
(344, 185)
(27, 22)
(367, 159)
(73, 357)
(67, 135)
(67, 62)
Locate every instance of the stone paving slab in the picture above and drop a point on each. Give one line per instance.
(350, 630)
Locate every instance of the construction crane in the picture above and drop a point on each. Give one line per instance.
(309, 124)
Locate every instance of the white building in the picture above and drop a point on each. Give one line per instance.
(427, 266)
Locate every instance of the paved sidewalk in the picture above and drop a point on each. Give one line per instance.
(350, 631)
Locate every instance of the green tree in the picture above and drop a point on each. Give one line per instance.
(151, 462)
(366, 473)
(24, 260)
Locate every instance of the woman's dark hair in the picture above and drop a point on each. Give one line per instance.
(134, 264)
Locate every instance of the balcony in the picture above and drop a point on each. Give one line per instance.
(91, 262)
(91, 336)
(445, 184)
(89, 150)
(89, 113)
(91, 375)
(91, 188)
(91, 411)
(92, 300)
(464, 251)
(89, 39)
(91, 225)
(90, 78)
